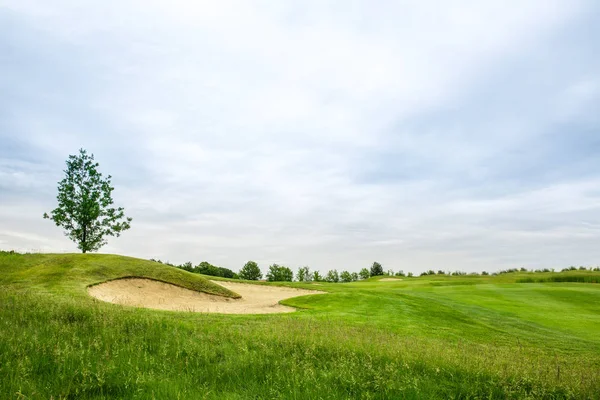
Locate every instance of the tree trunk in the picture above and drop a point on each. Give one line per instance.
(83, 242)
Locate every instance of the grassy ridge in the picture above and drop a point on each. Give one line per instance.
(419, 338)
(72, 273)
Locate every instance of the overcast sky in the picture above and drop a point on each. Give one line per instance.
(420, 134)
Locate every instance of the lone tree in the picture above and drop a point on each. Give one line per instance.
(376, 269)
(250, 271)
(84, 205)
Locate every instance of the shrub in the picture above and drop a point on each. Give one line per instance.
(484, 273)
(250, 271)
(279, 273)
(317, 276)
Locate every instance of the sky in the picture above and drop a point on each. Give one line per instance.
(455, 135)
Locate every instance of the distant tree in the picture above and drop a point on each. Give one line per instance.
(390, 272)
(485, 273)
(376, 269)
(187, 266)
(84, 205)
(332, 276)
(410, 275)
(250, 271)
(317, 276)
(400, 273)
(207, 268)
(364, 274)
(304, 274)
(354, 276)
(279, 273)
(346, 276)
(440, 272)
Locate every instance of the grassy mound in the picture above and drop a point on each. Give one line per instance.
(419, 338)
(71, 274)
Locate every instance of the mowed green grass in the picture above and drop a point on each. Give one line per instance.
(428, 337)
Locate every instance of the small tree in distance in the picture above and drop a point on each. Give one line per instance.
(346, 276)
(376, 269)
(279, 273)
(304, 274)
(84, 205)
(364, 273)
(250, 271)
(332, 276)
(317, 276)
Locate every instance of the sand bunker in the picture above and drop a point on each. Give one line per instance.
(390, 280)
(147, 293)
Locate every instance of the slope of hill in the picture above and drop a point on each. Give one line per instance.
(430, 337)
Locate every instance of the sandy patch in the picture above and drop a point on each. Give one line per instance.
(390, 280)
(147, 293)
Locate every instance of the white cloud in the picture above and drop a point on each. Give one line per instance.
(239, 130)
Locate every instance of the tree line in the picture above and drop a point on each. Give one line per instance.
(280, 273)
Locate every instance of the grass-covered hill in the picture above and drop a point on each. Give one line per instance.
(492, 337)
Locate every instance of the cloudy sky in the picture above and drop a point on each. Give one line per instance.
(420, 134)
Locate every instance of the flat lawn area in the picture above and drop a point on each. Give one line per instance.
(428, 337)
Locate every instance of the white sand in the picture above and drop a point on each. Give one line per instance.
(390, 280)
(147, 293)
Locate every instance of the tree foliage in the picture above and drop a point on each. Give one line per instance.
(317, 276)
(207, 268)
(84, 205)
(279, 273)
(346, 276)
(364, 273)
(250, 271)
(332, 276)
(304, 274)
(376, 269)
